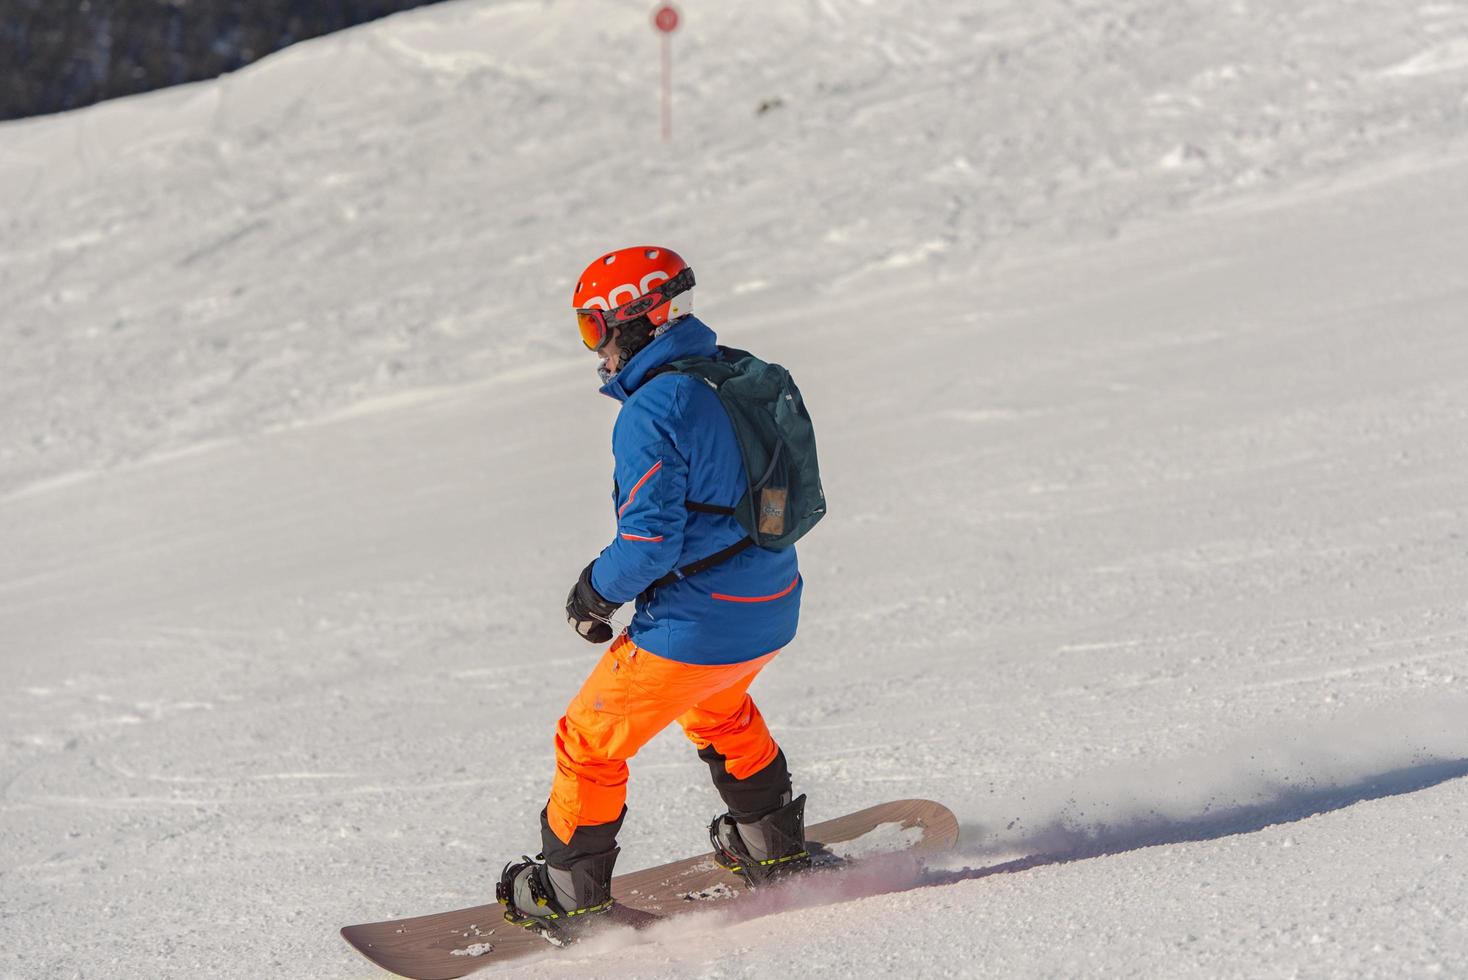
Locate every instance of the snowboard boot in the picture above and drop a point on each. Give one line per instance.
(764, 849)
(557, 902)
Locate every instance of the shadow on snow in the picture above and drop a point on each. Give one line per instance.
(1062, 842)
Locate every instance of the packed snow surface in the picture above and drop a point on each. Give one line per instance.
(1135, 337)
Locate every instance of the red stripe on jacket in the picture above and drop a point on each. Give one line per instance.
(633, 495)
(759, 598)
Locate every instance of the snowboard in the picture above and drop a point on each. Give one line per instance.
(455, 944)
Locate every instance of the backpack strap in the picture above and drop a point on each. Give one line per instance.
(679, 574)
(724, 554)
(697, 507)
(690, 505)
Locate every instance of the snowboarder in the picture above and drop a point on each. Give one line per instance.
(696, 640)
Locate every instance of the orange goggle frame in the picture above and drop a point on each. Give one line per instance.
(596, 324)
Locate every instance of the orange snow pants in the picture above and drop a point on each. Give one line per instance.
(632, 695)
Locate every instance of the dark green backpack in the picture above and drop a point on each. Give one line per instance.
(784, 498)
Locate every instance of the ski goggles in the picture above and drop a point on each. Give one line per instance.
(596, 324)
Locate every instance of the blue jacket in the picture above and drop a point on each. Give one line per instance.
(674, 443)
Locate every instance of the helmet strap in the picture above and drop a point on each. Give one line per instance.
(633, 336)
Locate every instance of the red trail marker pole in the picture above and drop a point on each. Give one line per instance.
(665, 19)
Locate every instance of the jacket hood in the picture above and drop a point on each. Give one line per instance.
(688, 337)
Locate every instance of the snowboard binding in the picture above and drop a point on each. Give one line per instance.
(763, 850)
(558, 910)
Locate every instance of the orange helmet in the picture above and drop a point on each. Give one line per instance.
(627, 286)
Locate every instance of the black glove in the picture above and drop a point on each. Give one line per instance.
(588, 612)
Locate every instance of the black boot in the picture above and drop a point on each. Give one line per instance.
(766, 848)
(557, 902)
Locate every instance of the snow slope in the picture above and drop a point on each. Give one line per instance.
(1134, 332)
